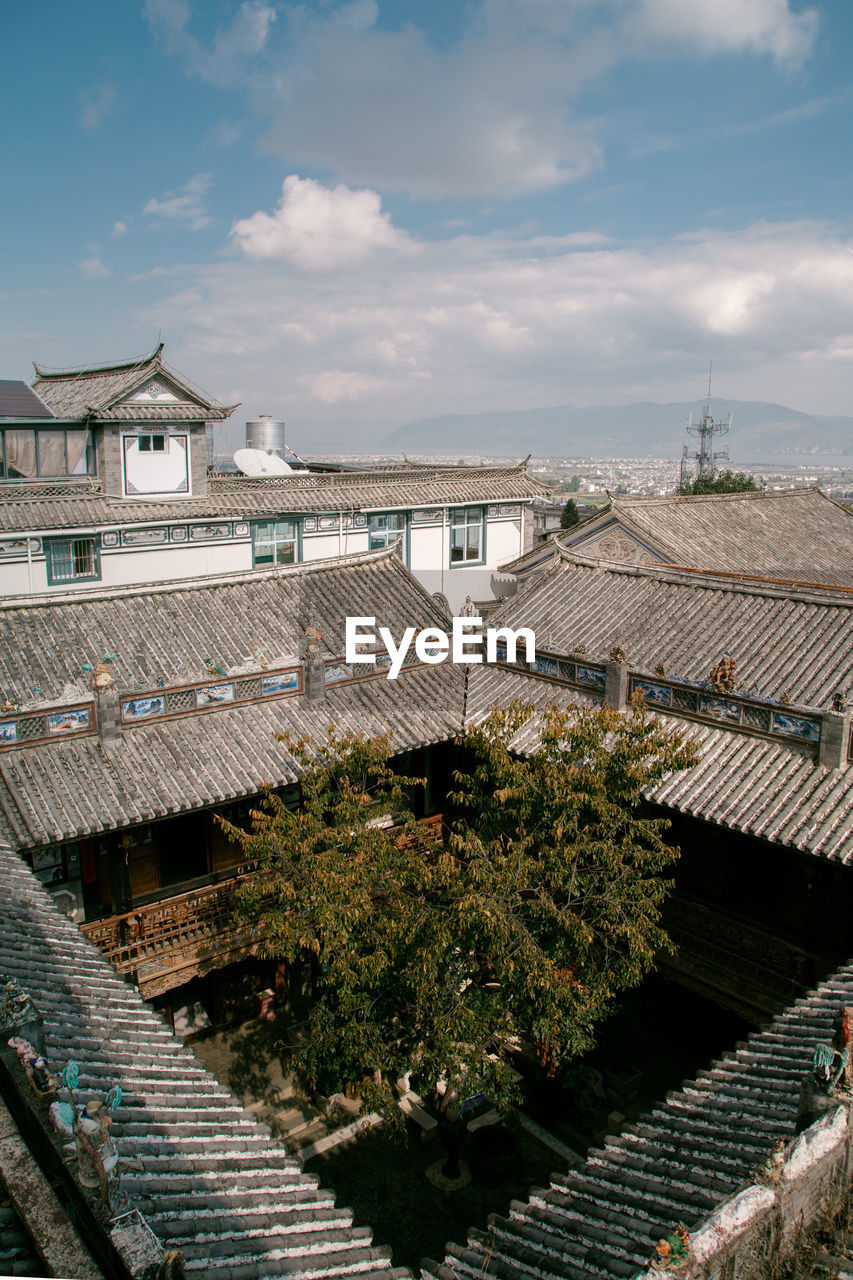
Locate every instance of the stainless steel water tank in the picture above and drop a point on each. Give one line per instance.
(266, 433)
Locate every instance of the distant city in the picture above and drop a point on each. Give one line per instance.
(652, 477)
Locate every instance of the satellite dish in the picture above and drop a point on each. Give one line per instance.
(257, 462)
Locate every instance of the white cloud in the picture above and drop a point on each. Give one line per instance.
(96, 103)
(233, 46)
(387, 109)
(497, 113)
(333, 385)
(92, 267)
(471, 323)
(318, 229)
(184, 207)
(119, 229)
(720, 26)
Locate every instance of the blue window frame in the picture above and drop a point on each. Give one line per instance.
(385, 528)
(73, 560)
(276, 542)
(467, 536)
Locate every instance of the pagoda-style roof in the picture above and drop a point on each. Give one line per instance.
(792, 533)
(791, 646)
(167, 640)
(140, 390)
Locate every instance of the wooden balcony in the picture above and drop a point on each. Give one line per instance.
(166, 943)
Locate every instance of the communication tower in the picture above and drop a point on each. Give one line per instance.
(705, 457)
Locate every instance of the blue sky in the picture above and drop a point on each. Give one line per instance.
(355, 214)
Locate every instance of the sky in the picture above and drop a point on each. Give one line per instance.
(352, 215)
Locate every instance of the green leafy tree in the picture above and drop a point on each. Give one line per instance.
(570, 515)
(722, 482)
(542, 904)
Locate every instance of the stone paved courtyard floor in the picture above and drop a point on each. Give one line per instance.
(385, 1185)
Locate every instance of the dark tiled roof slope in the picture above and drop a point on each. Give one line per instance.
(210, 1180)
(775, 791)
(166, 632)
(682, 1160)
(60, 790)
(789, 640)
(406, 488)
(795, 534)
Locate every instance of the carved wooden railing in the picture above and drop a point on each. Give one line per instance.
(168, 942)
(735, 962)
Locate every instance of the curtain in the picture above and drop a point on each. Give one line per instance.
(21, 453)
(51, 453)
(77, 445)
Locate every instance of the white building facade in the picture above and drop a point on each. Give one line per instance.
(104, 482)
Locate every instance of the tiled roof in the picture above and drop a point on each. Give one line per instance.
(406, 488)
(793, 534)
(92, 391)
(681, 1161)
(165, 632)
(209, 1179)
(785, 639)
(774, 791)
(61, 790)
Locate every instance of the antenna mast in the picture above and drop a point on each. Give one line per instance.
(705, 456)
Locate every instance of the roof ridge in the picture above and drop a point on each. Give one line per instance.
(717, 579)
(640, 500)
(136, 362)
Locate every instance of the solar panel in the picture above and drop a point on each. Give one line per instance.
(18, 400)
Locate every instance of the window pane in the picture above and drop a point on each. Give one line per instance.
(84, 557)
(144, 444)
(275, 542)
(51, 459)
(21, 453)
(60, 562)
(72, 558)
(78, 444)
(466, 535)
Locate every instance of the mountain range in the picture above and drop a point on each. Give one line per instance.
(633, 430)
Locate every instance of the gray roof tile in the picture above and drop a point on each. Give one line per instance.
(797, 534)
(91, 391)
(407, 487)
(176, 1124)
(60, 790)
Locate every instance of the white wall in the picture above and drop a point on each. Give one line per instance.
(428, 559)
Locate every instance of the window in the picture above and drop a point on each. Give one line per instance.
(152, 444)
(276, 542)
(27, 453)
(384, 530)
(73, 560)
(467, 535)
